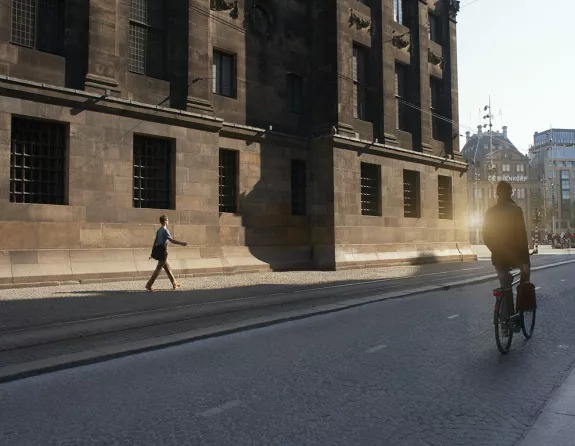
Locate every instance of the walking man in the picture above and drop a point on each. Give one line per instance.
(163, 237)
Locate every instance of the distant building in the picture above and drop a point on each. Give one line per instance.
(501, 161)
(553, 159)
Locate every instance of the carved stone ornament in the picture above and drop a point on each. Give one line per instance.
(401, 41)
(453, 8)
(224, 5)
(257, 19)
(435, 59)
(359, 23)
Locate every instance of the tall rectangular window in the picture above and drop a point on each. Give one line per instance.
(153, 164)
(147, 50)
(38, 162)
(520, 168)
(398, 11)
(359, 67)
(370, 189)
(411, 196)
(298, 187)
(401, 96)
(295, 92)
(223, 74)
(38, 24)
(436, 92)
(445, 197)
(434, 28)
(228, 180)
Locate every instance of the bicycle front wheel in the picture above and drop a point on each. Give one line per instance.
(503, 343)
(527, 322)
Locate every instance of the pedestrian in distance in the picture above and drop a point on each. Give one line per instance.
(160, 253)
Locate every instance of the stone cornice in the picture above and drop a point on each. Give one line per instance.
(398, 153)
(83, 100)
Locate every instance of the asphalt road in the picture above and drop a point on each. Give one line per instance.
(414, 371)
(39, 307)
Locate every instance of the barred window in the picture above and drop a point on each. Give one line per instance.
(38, 24)
(228, 180)
(295, 92)
(359, 68)
(147, 53)
(445, 193)
(298, 187)
(411, 198)
(223, 74)
(370, 189)
(153, 161)
(37, 162)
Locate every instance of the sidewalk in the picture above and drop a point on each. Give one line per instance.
(556, 424)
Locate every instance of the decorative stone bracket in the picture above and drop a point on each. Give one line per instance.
(453, 8)
(401, 41)
(435, 59)
(360, 23)
(225, 5)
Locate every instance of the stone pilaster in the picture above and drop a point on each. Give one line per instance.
(102, 57)
(388, 70)
(424, 81)
(451, 72)
(199, 99)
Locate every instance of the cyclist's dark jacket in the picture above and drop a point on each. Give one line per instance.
(505, 235)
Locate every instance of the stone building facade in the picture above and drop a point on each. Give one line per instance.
(274, 134)
(494, 158)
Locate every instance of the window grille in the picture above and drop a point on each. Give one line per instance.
(37, 162)
(147, 38)
(411, 207)
(298, 187)
(370, 189)
(38, 24)
(445, 193)
(153, 161)
(228, 180)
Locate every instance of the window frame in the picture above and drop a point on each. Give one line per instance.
(228, 208)
(298, 187)
(448, 207)
(360, 56)
(143, 142)
(434, 22)
(295, 97)
(57, 46)
(401, 75)
(370, 179)
(218, 74)
(159, 30)
(32, 164)
(415, 181)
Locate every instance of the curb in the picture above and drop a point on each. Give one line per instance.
(62, 362)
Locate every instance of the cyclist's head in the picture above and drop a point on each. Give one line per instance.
(504, 190)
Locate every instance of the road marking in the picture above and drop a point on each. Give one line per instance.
(453, 316)
(538, 288)
(376, 348)
(219, 409)
(564, 347)
(562, 280)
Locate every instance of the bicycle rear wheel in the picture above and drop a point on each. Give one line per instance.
(503, 343)
(527, 322)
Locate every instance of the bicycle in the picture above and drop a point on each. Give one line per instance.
(526, 318)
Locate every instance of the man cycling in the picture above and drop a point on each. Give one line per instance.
(505, 235)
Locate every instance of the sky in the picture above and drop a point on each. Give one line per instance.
(521, 53)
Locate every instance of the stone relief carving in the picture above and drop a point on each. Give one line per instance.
(453, 8)
(359, 23)
(435, 59)
(401, 42)
(258, 19)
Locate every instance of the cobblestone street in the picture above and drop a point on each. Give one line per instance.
(418, 370)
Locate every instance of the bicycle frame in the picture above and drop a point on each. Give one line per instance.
(499, 292)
